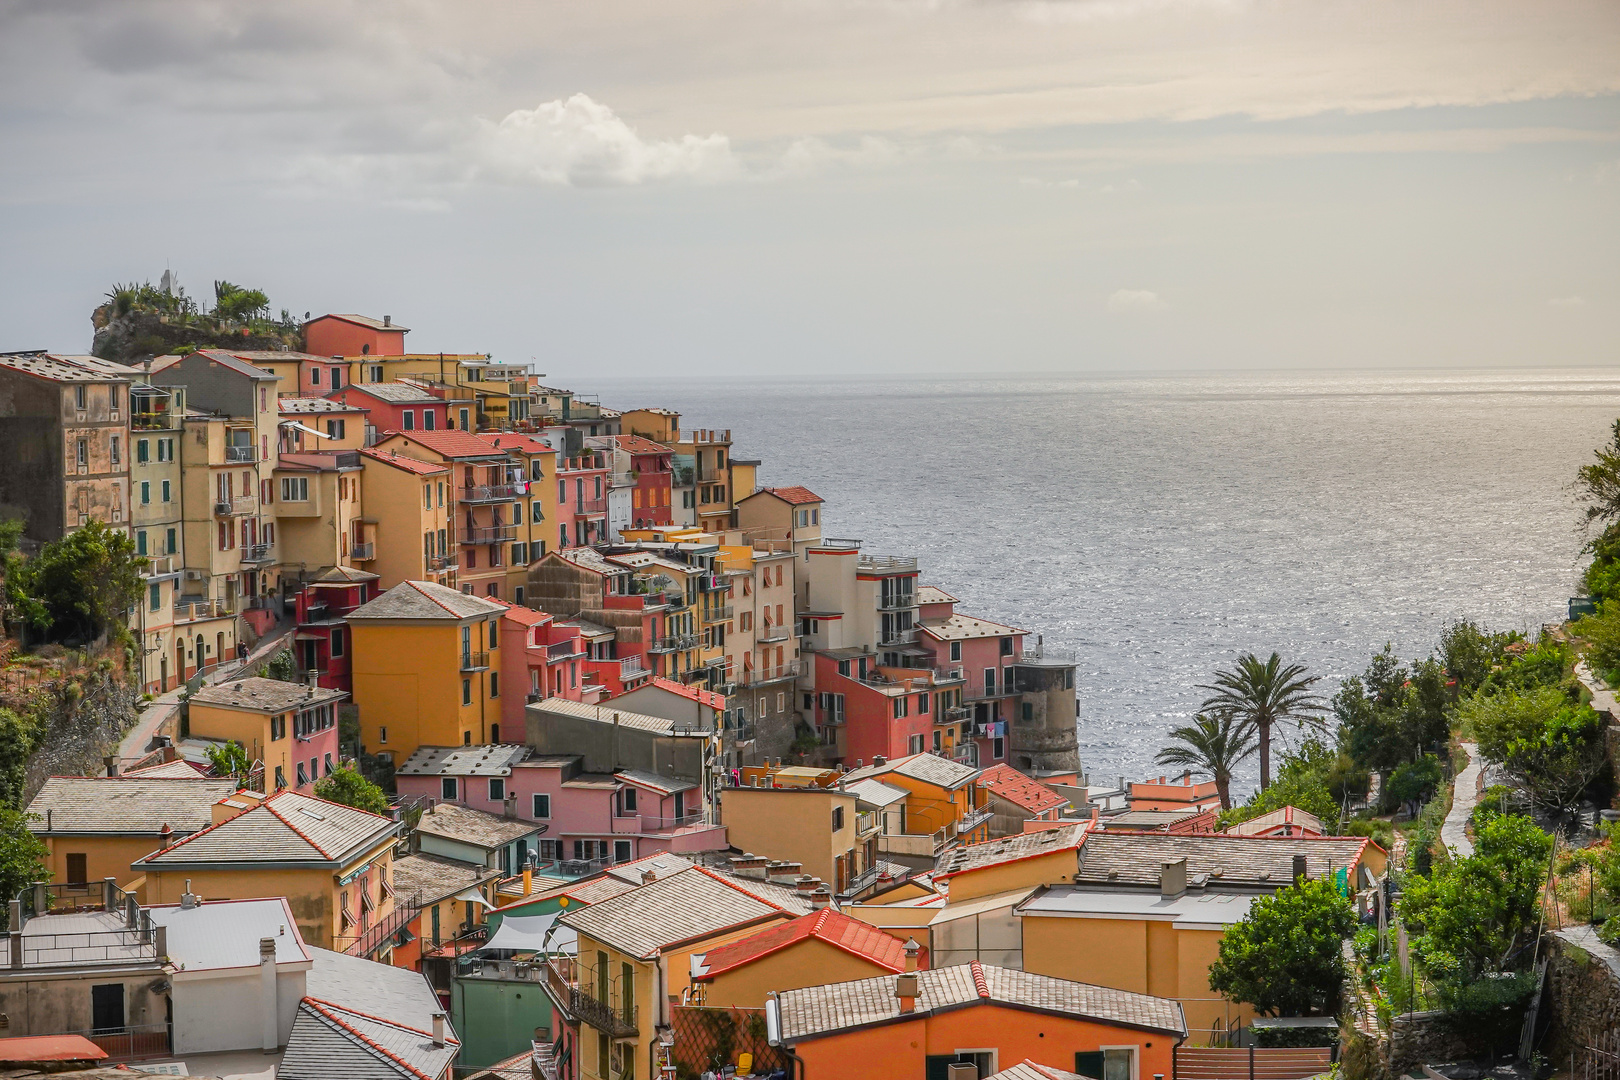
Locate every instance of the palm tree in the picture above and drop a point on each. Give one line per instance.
(1263, 693)
(1212, 744)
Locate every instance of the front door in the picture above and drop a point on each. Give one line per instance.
(107, 1008)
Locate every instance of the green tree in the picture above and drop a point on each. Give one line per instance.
(1302, 782)
(1412, 784)
(22, 859)
(1286, 957)
(1601, 632)
(230, 759)
(237, 304)
(1214, 745)
(19, 738)
(1599, 483)
(1470, 653)
(1263, 693)
(79, 586)
(348, 787)
(1551, 745)
(1473, 913)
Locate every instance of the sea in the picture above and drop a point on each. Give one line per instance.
(1154, 528)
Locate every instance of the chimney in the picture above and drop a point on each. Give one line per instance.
(783, 873)
(438, 1029)
(509, 808)
(648, 877)
(805, 885)
(879, 760)
(1173, 878)
(269, 1010)
(905, 988)
(913, 950)
(111, 761)
(388, 320)
(165, 836)
(1300, 871)
(188, 899)
(821, 898)
(749, 865)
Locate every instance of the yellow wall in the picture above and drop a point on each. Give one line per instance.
(930, 808)
(1145, 957)
(394, 498)
(792, 826)
(902, 922)
(105, 856)
(807, 963)
(407, 679)
(1048, 869)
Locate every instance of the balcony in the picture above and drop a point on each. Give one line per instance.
(161, 565)
(714, 583)
(860, 882)
(766, 675)
(589, 507)
(916, 845)
(886, 564)
(898, 601)
(953, 714)
(475, 661)
(154, 420)
(488, 534)
(584, 1001)
(907, 636)
(192, 610)
(622, 479)
(867, 823)
(256, 553)
(241, 455)
(562, 650)
(973, 820)
(722, 613)
(488, 493)
(769, 633)
(362, 552)
(674, 643)
(236, 507)
(438, 564)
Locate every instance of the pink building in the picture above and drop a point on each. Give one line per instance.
(874, 711)
(983, 653)
(396, 406)
(591, 819)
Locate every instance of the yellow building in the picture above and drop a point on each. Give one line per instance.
(290, 727)
(534, 505)
(710, 450)
(675, 653)
(635, 954)
(93, 827)
(943, 800)
(1013, 862)
(426, 669)
(311, 424)
(826, 831)
(823, 947)
(409, 503)
(319, 513)
(333, 863)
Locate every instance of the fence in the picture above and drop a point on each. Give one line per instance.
(1250, 1063)
(1600, 1062)
(708, 1039)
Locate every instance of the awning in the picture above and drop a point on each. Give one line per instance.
(310, 430)
(472, 896)
(529, 933)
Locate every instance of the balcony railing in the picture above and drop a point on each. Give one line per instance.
(474, 661)
(239, 505)
(886, 564)
(241, 455)
(953, 714)
(159, 565)
(161, 420)
(488, 493)
(761, 676)
(363, 552)
(722, 613)
(622, 479)
(256, 553)
(929, 845)
(581, 1000)
(973, 820)
(674, 643)
(202, 609)
(439, 563)
(861, 881)
(588, 507)
(779, 632)
(898, 601)
(378, 934)
(907, 636)
(868, 822)
(488, 534)
(562, 650)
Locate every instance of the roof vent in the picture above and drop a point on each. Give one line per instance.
(311, 813)
(388, 320)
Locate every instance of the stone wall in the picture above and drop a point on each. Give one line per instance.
(1421, 1038)
(1582, 997)
(86, 712)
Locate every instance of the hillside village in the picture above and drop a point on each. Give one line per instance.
(487, 731)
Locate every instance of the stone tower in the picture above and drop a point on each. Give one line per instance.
(1042, 737)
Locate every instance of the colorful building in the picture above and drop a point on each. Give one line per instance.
(322, 647)
(353, 335)
(395, 406)
(1017, 800)
(534, 507)
(412, 507)
(822, 947)
(291, 727)
(94, 827)
(944, 805)
(426, 669)
(828, 831)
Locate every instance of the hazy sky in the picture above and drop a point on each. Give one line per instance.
(828, 186)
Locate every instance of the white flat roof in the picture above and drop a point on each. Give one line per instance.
(218, 934)
(1192, 910)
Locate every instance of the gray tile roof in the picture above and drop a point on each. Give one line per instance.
(691, 904)
(179, 768)
(875, 792)
(663, 784)
(288, 827)
(426, 879)
(314, 405)
(221, 934)
(328, 1041)
(604, 714)
(1030, 1070)
(265, 695)
(127, 805)
(398, 995)
(835, 1007)
(51, 367)
(961, 627)
(425, 600)
(1013, 848)
(397, 392)
(929, 768)
(489, 760)
(471, 826)
(1258, 860)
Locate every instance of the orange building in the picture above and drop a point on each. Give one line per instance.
(824, 946)
(914, 1024)
(353, 335)
(1178, 794)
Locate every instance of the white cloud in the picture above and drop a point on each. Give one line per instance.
(1134, 300)
(1567, 302)
(583, 143)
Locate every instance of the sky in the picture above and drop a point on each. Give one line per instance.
(775, 188)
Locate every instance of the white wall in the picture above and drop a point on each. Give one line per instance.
(217, 1011)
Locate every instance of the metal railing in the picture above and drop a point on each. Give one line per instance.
(779, 632)
(239, 455)
(582, 1000)
(256, 553)
(886, 563)
(161, 420)
(363, 552)
(973, 820)
(440, 563)
(483, 493)
(916, 844)
(159, 565)
(897, 601)
(130, 1042)
(474, 661)
(202, 609)
(561, 650)
(861, 881)
(674, 643)
(376, 935)
(237, 505)
(721, 613)
(769, 674)
(586, 507)
(907, 636)
(488, 534)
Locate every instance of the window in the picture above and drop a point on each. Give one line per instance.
(621, 851)
(914, 745)
(542, 807)
(497, 789)
(166, 493)
(517, 595)
(408, 417)
(165, 449)
(146, 493)
(337, 641)
(899, 707)
(326, 763)
(956, 652)
(536, 515)
(998, 748)
(838, 818)
(466, 691)
(628, 798)
(520, 552)
(936, 742)
(337, 378)
(989, 680)
(334, 428)
(430, 421)
(1029, 711)
(303, 777)
(922, 704)
(140, 542)
(493, 633)
(77, 872)
(169, 536)
(83, 449)
(314, 376)
(154, 596)
(1113, 1064)
(295, 489)
(278, 727)
(281, 778)
(143, 451)
(495, 687)
(382, 734)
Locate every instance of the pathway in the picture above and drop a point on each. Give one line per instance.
(1586, 937)
(1454, 832)
(135, 741)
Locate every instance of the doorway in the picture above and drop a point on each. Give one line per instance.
(107, 1008)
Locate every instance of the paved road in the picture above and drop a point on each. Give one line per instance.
(135, 741)
(1454, 832)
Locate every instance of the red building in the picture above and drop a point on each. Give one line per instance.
(354, 335)
(396, 406)
(582, 486)
(321, 642)
(651, 464)
(880, 711)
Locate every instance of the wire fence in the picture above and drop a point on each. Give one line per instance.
(708, 1039)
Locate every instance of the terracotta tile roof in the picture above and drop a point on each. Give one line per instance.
(690, 693)
(691, 904)
(933, 594)
(635, 444)
(425, 600)
(1137, 858)
(398, 393)
(409, 464)
(1030, 1070)
(475, 827)
(798, 496)
(833, 927)
(288, 827)
(1006, 782)
(179, 768)
(425, 878)
(450, 443)
(1010, 849)
(132, 805)
(1283, 815)
(506, 441)
(265, 695)
(827, 1010)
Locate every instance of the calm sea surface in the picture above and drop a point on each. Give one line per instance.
(1156, 527)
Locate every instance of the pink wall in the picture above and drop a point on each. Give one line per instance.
(390, 415)
(328, 336)
(871, 728)
(312, 753)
